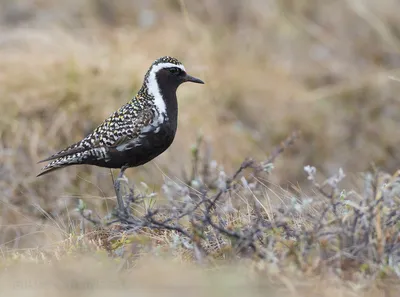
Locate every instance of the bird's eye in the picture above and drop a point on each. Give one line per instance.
(174, 70)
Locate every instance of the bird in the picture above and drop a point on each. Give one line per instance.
(138, 131)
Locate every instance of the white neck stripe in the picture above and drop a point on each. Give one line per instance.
(153, 87)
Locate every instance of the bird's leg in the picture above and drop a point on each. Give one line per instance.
(117, 186)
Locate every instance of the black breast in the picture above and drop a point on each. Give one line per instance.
(153, 144)
(145, 148)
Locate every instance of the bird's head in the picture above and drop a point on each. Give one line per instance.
(168, 72)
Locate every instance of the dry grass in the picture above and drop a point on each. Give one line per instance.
(270, 67)
(93, 276)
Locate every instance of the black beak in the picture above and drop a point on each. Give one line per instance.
(193, 79)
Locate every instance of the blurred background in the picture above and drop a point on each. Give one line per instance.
(326, 68)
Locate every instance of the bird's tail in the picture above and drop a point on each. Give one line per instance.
(58, 164)
(74, 156)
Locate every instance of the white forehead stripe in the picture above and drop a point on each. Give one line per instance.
(152, 84)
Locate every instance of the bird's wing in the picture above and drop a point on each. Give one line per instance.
(121, 127)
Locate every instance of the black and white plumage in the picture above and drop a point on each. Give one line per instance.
(136, 133)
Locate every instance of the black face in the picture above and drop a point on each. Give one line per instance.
(174, 76)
